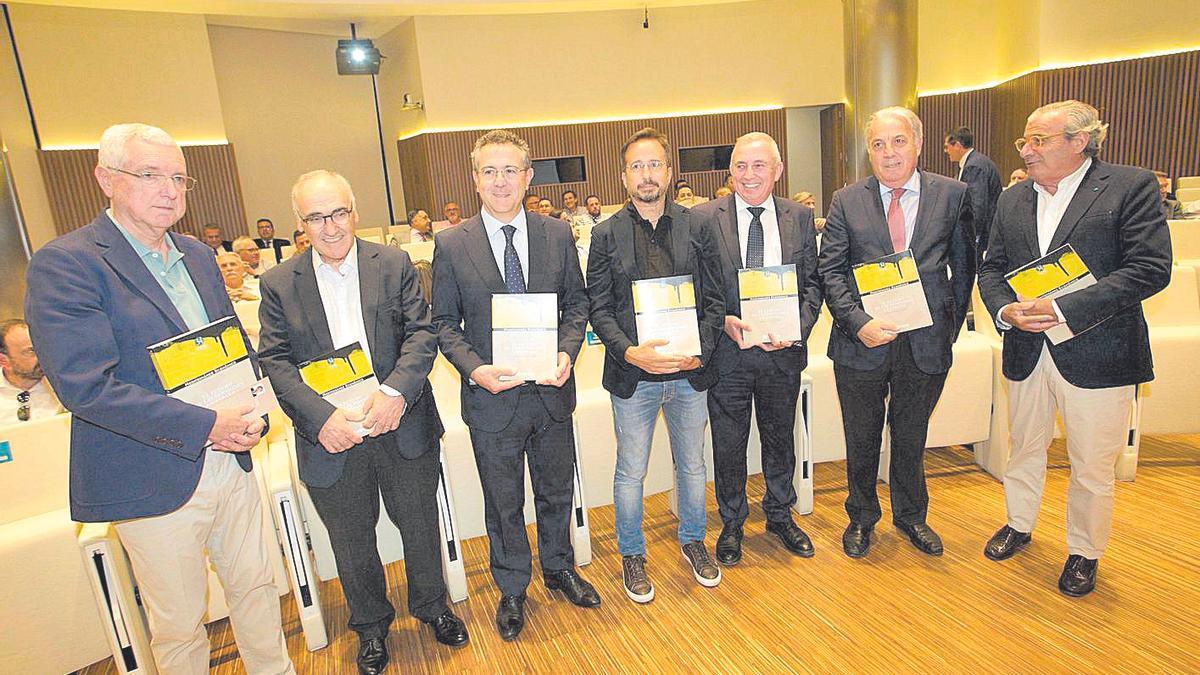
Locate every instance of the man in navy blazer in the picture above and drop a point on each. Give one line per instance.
(896, 209)
(173, 476)
(982, 177)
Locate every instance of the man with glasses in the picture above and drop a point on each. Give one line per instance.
(1111, 215)
(651, 238)
(507, 249)
(345, 291)
(452, 214)
(174, 478)
(23, 387)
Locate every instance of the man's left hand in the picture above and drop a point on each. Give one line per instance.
(774, 345)
(383, 413)
(561, 373)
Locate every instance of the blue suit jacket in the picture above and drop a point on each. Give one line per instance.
(93, 308)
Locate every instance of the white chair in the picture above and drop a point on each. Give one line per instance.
(1185, 239)
(1171, 400)
(1187, 182)
(1187, 194)
(419, 250)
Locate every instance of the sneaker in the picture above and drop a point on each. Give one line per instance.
(637, 584)
(706, 571)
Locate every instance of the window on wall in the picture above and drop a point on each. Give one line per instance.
(558, 170)
(707, 158)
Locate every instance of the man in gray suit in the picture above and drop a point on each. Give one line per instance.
(896, 209)
(510, 421)
(982, 177)
(339, 292)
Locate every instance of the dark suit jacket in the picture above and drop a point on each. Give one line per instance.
(983, 187)
(612, 269)
(276, 244)
(402, 341)
(1116, 224)
(943, 243)
(93, 308)
(465, 276)
(798, 243)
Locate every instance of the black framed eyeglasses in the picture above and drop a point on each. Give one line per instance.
(23, 409)
(340, 217)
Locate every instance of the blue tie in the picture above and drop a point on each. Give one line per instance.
(754, 241)
(514, 278)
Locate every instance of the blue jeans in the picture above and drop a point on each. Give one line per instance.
(686, 412)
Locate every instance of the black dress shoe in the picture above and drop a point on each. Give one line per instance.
(1005, 543)
(923, 537)
(856, 540)
(729, 544)
(1078, 576)
(372, 655)
(510, 616)
(578, 591)
(449, 629)
(792, 537)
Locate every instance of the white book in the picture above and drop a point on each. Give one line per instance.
(665, 309)
(1060, 272)
(770, 300)
(890, 289)
(344, 378)
(525, 335)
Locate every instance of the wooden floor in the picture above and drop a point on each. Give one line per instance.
(894, 611)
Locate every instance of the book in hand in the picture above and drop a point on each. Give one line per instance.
(525, 335)
(210, 367)
(1058, 273)
(344, 378)
(890, 289)
(770, 299)
(665, 309)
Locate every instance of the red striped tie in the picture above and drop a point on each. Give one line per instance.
(895, 220)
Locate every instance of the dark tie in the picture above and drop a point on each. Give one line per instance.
(754, 242)
(514, 278)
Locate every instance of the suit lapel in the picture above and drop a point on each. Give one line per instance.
(369, 282)
(926, 204)
(1028, 221)
(305, 283)
(121, 257)
(727, 222)
(623, 236)
(1090, 187)
(874, 205)
(681, 237)
(480, 251)
(789, 228)
(539, 255)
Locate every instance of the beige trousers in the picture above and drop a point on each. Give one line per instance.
(223, 518)
(1097, 422)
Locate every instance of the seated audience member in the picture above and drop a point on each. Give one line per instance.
(591, 214)
(1015, 177)
(422, 226)
(233, 273)
(453, 217)
(808, 199)
(425, 279)
(545, 207)
(685, 197)
(301, 241)
(249, 252)
(531, 203)
(267, 239)
(729, 183)
(215, 240)
(722, 191)
(570, 206)
(1171, 206)
(24, 392)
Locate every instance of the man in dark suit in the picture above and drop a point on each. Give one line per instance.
(754, 228)
(340, 292)
(1112, 217)
(652, 238)
(267, 239)
(982, 177)
(173, 477)
(896, 209)
(215, 239)
(511, 421)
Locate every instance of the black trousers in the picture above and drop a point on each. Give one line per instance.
(350, 508)
(774, 394)
(913, 395)
(500, 458)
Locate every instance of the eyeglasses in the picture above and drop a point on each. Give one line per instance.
(1035, 141)
(339, 217)
(150, 179)
(491, 173)
(640, 166)
(23, 406)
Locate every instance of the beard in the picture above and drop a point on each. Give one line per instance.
(648, 198)
(34, 373)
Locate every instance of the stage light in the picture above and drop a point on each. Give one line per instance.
(357, 57)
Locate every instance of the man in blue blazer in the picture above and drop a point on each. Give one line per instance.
(172, 476)
(982, 177)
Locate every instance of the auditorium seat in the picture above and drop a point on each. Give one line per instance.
(1190, 194)
(1185, 239)
(420, 250)
(247, 314)
(371, 234)
(1187, 182)
(1171, 400)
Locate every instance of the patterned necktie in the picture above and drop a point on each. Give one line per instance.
(895, 220)
(514, 278)
(754, 241)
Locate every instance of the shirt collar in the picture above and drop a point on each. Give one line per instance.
(768, 205)
(1068, 184)
(344, 268)
(962, 161)
(143, 251)
(913, 185)
(492, 224)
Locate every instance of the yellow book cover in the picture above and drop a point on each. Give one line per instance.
(186, 358)
(524, 311)
(1058, 268)
(336, 370)
(664, 294)
(887, 272)
(767, 282)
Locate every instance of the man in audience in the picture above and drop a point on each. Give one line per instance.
(215, 240)
(756, 229)
(249, 252)
(545, 207)
(722, 191)
(1170, 206)
(531, 203)
(266, 238)
(1015, 177)
(301, 241)
(981, 176)
(591, 215)
(511, 421)
(570, 206)
(930, 216)
(1083, 353)
(238, 283)
(23, 388)
(453, 217)
(421, 226)
(349, 291)
(652, 238)
(172, 477)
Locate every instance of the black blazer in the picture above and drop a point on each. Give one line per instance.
(612, 268)
(983, 187)
(943, 244)
(401, 338)
(275, 244)
(798, 243)
(465, 276)
(1116, 224)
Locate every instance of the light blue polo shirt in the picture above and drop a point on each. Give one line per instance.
(172, 275)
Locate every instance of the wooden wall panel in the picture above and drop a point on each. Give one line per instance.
(1012, 102)
(76, 199)
(971, 109)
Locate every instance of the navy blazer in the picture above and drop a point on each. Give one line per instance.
(93, 308)
(943, 243)
(983, 189)
(1116, 224)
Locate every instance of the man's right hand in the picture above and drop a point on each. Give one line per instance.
(877, 332)
(649, 359)
(231, 433)
(336, 434)
(1023, 316)
(736, 329)
(488, 377)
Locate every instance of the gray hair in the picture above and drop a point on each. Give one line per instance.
(757, 136)
(115, 138)
(228, 254)
(1081, 119)
(314, 175)
(914, 122)
(500, 137)
(243, 242)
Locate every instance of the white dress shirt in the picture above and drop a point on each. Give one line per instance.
(910, 201)
(496, 238)
(772, 248)
(42, 401)
(962, 161)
